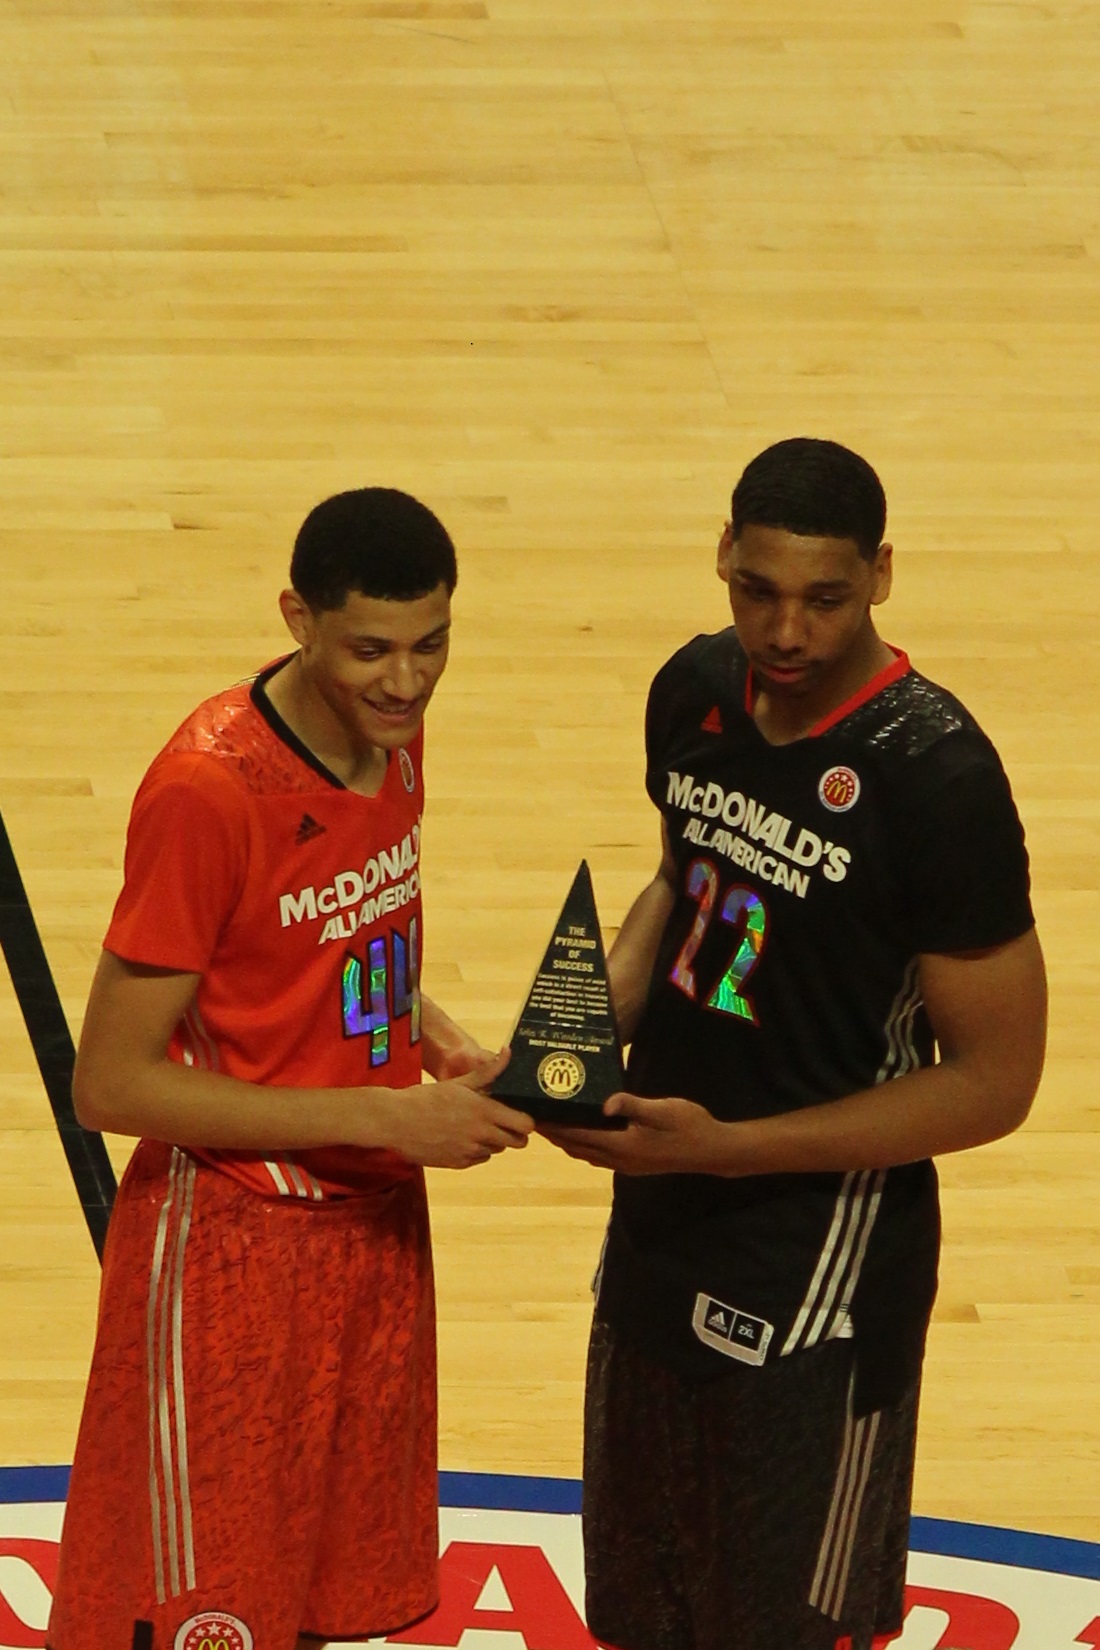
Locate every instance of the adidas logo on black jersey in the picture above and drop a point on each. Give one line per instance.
(735, 1334)
(308, 829)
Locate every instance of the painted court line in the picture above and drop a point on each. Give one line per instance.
(505, 1492)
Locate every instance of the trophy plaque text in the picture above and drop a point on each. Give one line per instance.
(566, 1054)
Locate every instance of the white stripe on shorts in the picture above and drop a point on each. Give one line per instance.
(169, 1474)
(834, 1560)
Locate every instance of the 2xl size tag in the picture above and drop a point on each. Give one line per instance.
(733, 1333)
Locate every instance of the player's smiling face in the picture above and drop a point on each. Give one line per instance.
(801, 606)
(375, 663)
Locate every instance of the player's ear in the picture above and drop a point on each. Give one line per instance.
(297, 615)
(725, 550)
(883, 571)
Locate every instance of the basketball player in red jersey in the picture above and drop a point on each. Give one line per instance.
(833, 977)
(256, 1463)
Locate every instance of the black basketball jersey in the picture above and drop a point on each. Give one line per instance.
(810, 878)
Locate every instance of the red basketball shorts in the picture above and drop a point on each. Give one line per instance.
(257, 1453)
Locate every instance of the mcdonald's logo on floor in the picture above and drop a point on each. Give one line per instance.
(511, 1573)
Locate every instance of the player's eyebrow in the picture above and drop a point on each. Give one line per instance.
(435, 635)
(819, 586)
(363, 639)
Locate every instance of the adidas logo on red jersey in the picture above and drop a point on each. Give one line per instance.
(308, 829)
(712, 722)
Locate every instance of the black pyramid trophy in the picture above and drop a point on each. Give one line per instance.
(566, 1054)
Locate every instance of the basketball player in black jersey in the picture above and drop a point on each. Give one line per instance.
(833, 977)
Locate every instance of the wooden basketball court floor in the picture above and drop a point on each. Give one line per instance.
(560, 267)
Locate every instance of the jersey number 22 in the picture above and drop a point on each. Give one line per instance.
(742, 908)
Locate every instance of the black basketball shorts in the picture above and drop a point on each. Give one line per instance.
(750, 1512)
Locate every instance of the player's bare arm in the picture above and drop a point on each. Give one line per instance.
(446, 1049)
(988, 1011)
(126, 1084)
(631, 958)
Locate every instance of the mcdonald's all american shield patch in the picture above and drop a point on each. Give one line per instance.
(838, 788)
(213, 1630)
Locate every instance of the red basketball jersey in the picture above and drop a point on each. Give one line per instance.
(298, 902)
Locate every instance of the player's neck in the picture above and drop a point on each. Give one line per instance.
(357, 764)
(784, 717)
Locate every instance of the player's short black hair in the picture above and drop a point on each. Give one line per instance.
(374, 540)
(818, 489)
